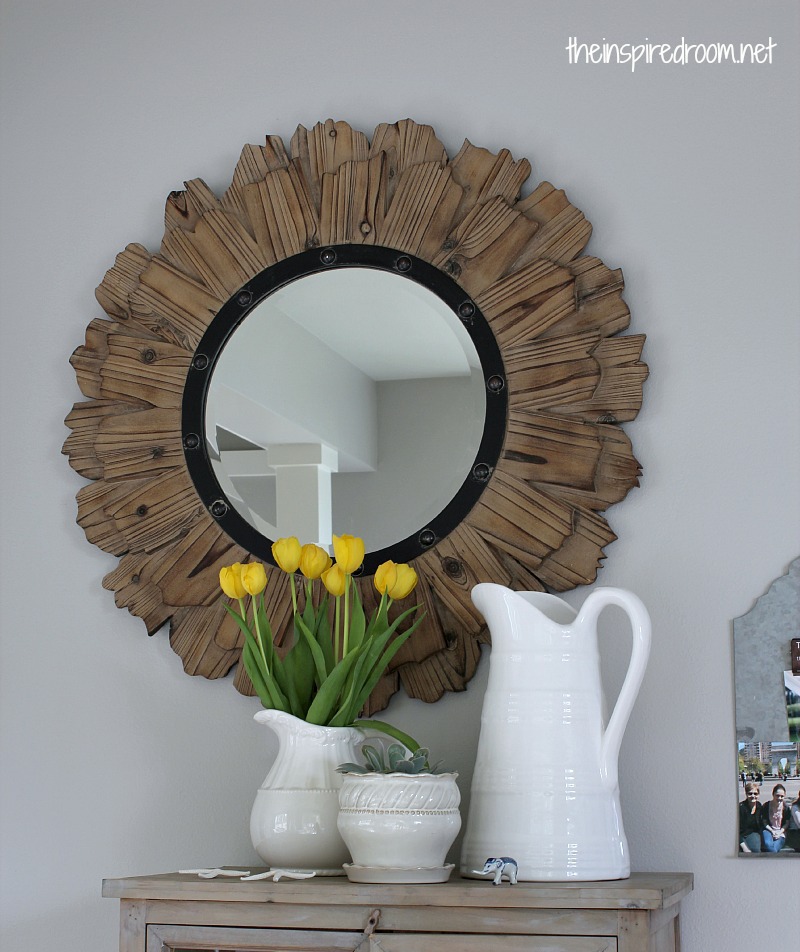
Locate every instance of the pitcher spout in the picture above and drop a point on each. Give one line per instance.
(500, 606)
(487, 598)
(493, 602)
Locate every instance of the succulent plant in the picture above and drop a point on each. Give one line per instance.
(395, 759)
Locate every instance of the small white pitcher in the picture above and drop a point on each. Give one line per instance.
(293, 820)
(545, 788)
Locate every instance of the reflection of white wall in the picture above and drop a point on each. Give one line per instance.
(291, 380)
(428, 434)
(394, 328)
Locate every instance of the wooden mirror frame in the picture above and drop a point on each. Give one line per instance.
(555, 313)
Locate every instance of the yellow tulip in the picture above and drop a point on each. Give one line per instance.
(314, 560)
(286, 553)
(386, 576)
(349, 552)
(230, 578)
(405, 583)
(254, 578)
(333, 579)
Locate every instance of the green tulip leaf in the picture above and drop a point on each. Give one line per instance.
(289, 669)
(380, 620)
(263, 682)
(380, 667)
(324, 704)
(390, 730)
(345, 714)
(358, 622)
(266, 633)
(322, 635)
(238, 619)
(316, 653)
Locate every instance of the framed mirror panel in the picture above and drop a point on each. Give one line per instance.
(397, 391)
(509, 345)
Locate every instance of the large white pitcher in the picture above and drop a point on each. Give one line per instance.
(545, 788)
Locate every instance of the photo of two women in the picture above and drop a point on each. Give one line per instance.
(770, 825)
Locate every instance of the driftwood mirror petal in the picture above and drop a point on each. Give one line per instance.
(565, 382)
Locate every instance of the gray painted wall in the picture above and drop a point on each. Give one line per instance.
(113, 761)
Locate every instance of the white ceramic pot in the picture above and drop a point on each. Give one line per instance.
(293, 821)
(399, 820)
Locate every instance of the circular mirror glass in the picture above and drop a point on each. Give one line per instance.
(346, 401)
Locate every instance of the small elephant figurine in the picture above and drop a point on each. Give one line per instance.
(500, 866)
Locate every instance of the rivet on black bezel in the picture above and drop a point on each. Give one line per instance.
(218, 508)
(495, 384)
(328, 256)
(427, 538)
(403, 263)
(481, 472)
(200, 362)
(191, 441)
(243, 298)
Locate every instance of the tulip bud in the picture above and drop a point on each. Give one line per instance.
(314, 560)
(349, 552)
(385, 576)
(405, 583)
(334, 579)
(254, 578)
(230, 578)
(286, 553)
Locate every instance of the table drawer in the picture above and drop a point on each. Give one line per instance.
(169, 938)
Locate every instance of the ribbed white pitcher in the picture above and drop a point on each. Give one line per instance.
(545, 788)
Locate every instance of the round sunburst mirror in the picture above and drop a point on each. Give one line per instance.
(430, 349)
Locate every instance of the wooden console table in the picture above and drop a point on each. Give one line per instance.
(173, 911)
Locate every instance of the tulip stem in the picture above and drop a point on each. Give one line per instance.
(382, 604)
(294, 593)
(346, 614)
(337, 626)
(259, 639)
(258, 630)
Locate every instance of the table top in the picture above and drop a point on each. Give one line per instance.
(640, 891)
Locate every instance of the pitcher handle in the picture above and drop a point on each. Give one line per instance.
(640, 625)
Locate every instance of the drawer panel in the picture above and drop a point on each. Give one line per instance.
(425, 942)
(167, 938)
(171, 938)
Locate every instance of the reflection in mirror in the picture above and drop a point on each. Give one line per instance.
(347, 401)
